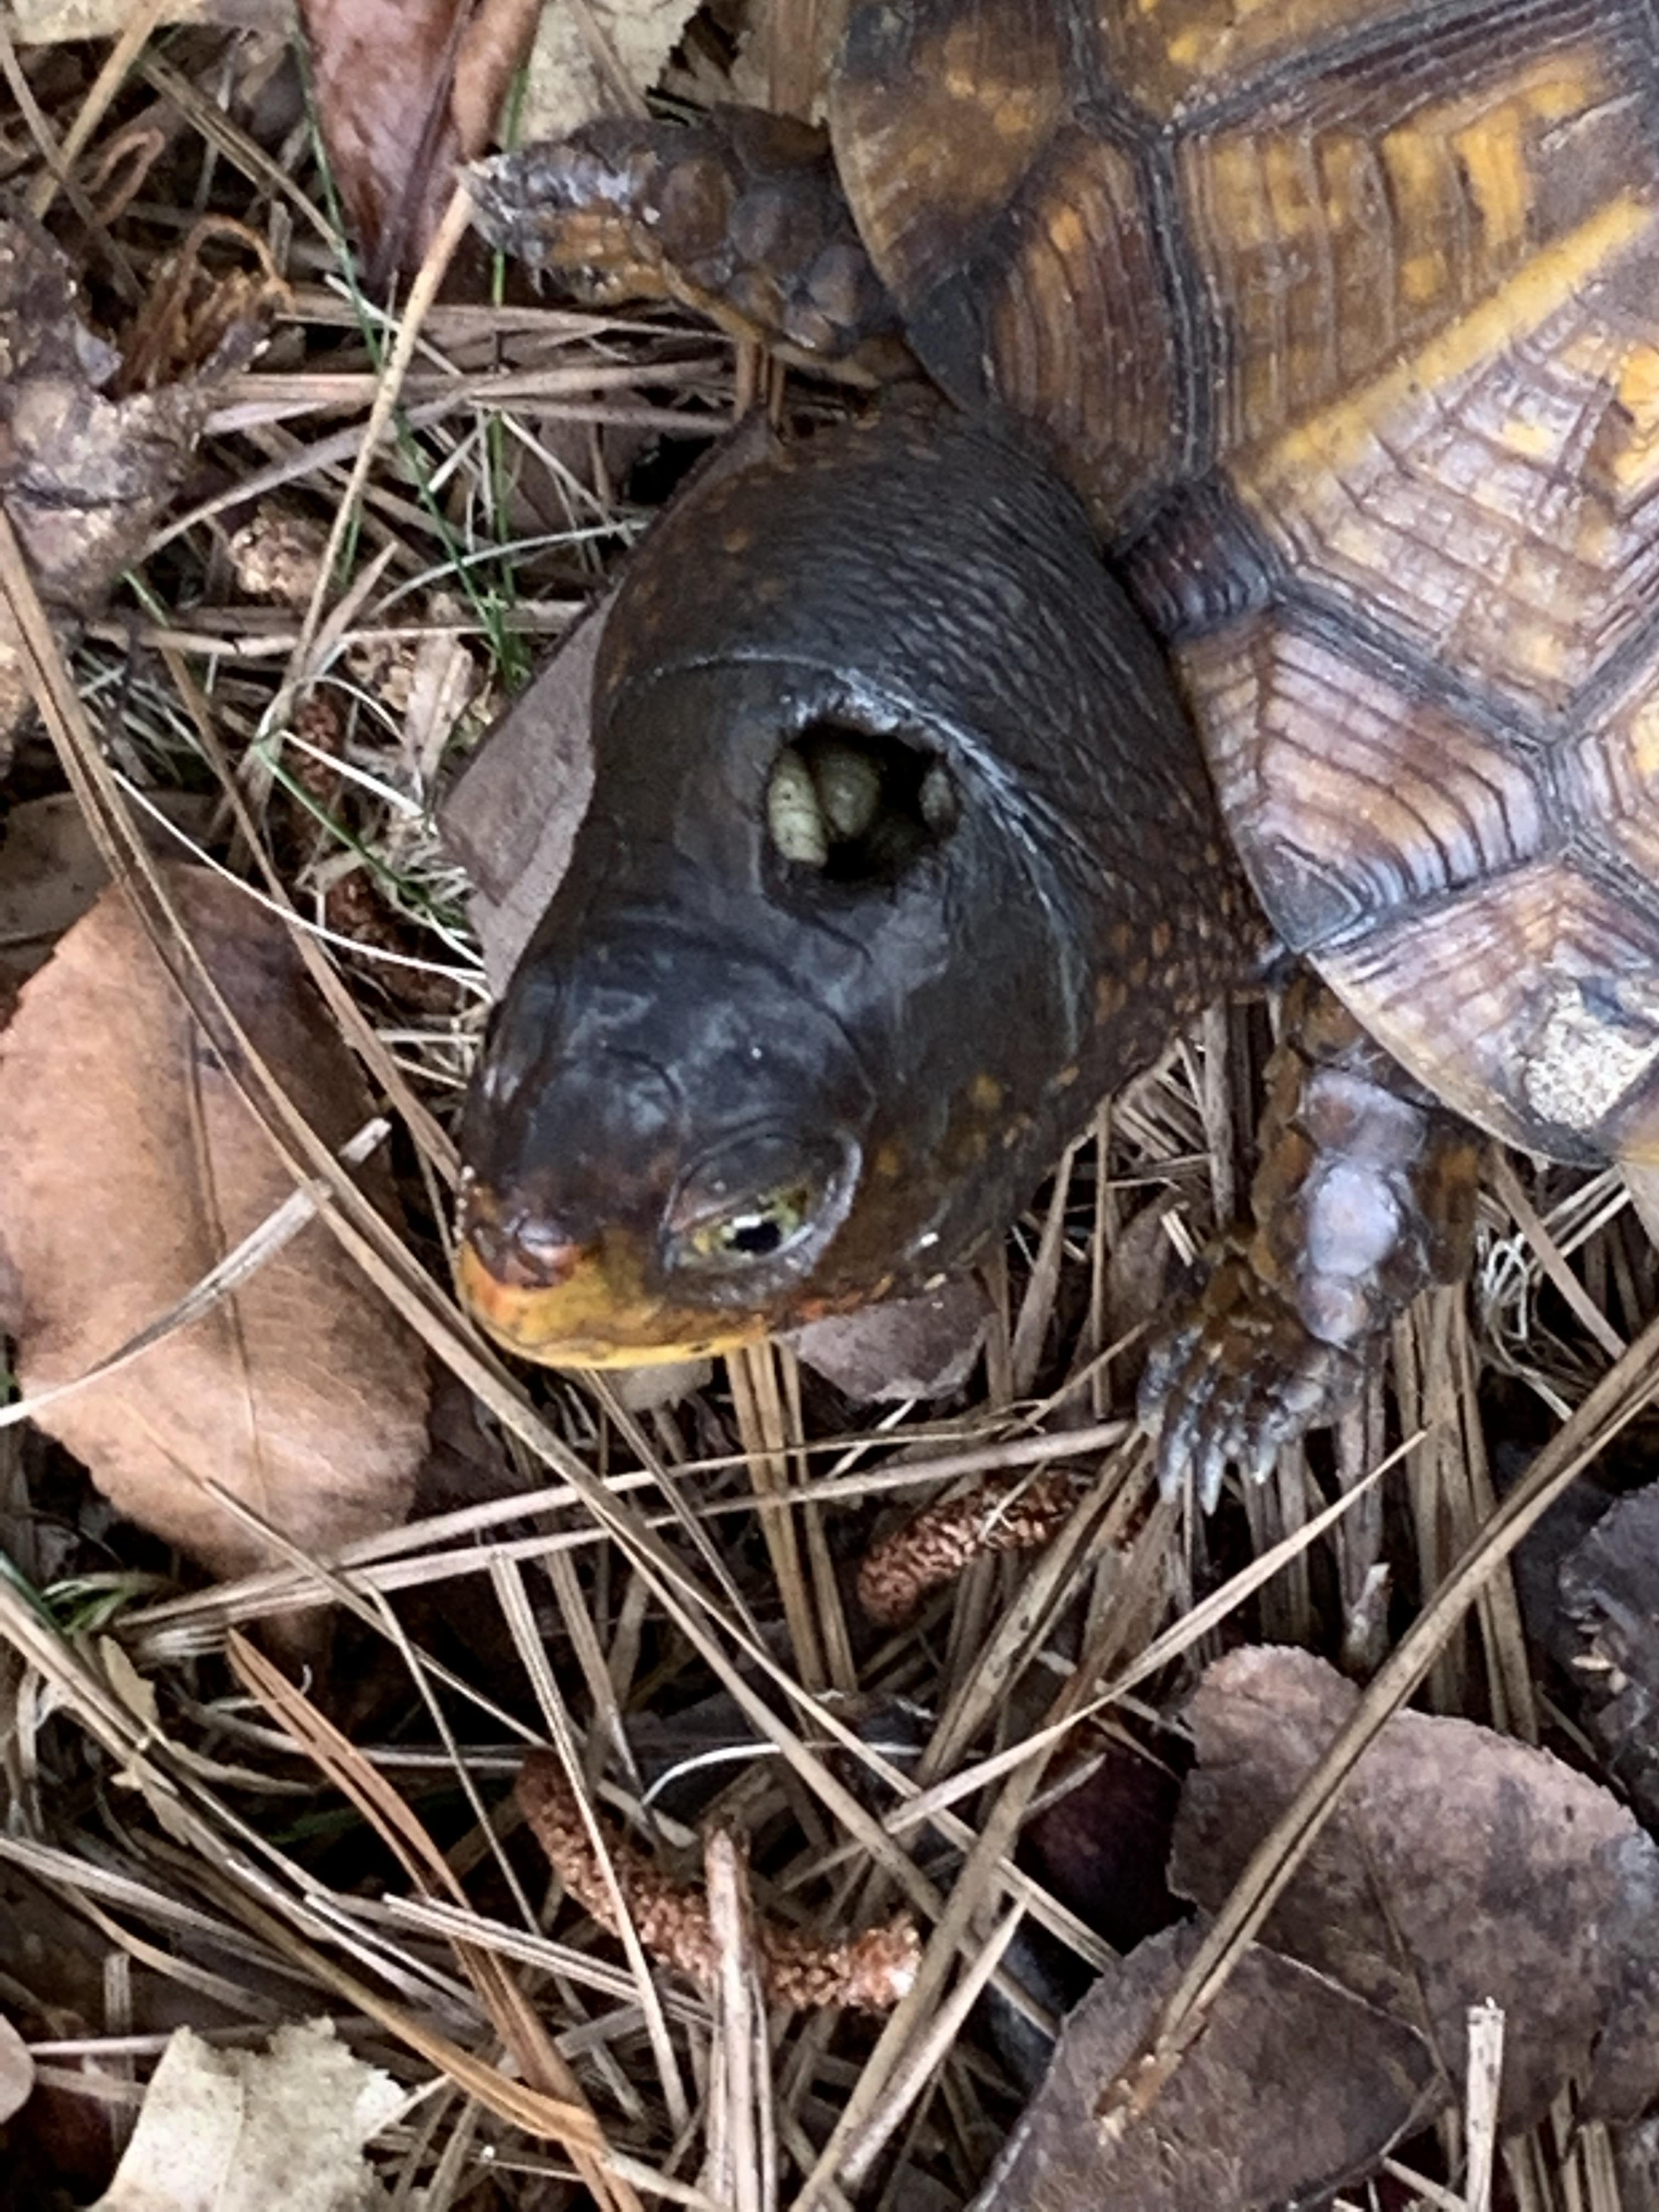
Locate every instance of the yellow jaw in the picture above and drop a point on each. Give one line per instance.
(597, 1315)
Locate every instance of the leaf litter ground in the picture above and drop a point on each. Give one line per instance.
(663, 1593)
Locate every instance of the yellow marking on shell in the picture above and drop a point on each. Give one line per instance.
(985, 1093)
(1329, 443)
(1533, 441)
(1067, 232)
(1415, 161)
(1235, 184)
(890, 1163)
(1538, 648)
(1493, 155)
(1634, 465)
(1423, 278)
(1489, 143)
(1284, 175)
(1189, 47)
(1644, 746)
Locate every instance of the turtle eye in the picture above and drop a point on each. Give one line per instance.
(760, 1227)
(766, 1198)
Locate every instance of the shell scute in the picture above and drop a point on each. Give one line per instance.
(1531, 1004)
(1351, 793)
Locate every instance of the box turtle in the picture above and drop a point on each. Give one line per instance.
(919, 826)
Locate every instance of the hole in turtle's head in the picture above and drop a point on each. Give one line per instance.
(857, 806)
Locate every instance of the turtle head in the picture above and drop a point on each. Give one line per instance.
(818, 998)
(665, 1137)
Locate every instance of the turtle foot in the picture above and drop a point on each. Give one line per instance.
(1235, 1375)
(741, 216)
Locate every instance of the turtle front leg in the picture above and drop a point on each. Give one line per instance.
(1364, 1196)
(740, 216)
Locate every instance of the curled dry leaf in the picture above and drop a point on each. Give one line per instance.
(246, 2130)
(869, 1971)
(129, 1167)
(1295, 2087)
(1460, 1865)
(405, 88)
(82, 477)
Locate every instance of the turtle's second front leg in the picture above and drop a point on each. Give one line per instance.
(740, 216)
(1364, 1196)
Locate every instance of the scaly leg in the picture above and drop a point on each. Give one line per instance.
(1364, 1196)
(740, 216)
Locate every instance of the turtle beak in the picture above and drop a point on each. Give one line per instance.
(564, 1304)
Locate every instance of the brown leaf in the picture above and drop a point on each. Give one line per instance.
(82, 477)
(1294, 2087)
(1606, 1587)
(511, 817)
(51, 872)
(1460, 1865)
(129, 1167)
(918, 1348)
(406, 88)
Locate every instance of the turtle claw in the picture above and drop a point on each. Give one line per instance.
(1235, 1377)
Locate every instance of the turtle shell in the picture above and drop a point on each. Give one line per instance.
(1344, 317)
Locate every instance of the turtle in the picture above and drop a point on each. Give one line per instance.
(1248, 554)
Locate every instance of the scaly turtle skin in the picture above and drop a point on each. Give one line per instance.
(1339, 318)
(735, 1083)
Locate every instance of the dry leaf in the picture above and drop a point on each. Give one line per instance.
(281, 2130)
(51, 872)
(920, 1347)
(1607, 1588)
(1294, 2087)
(1460, 1865)
(511, 817)
(82, 477)
(129, 1167)
(588, 58)
(405, 88)
(17, 2071)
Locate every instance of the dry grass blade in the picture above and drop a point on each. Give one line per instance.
(1480, 2100)
(514, 2019)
